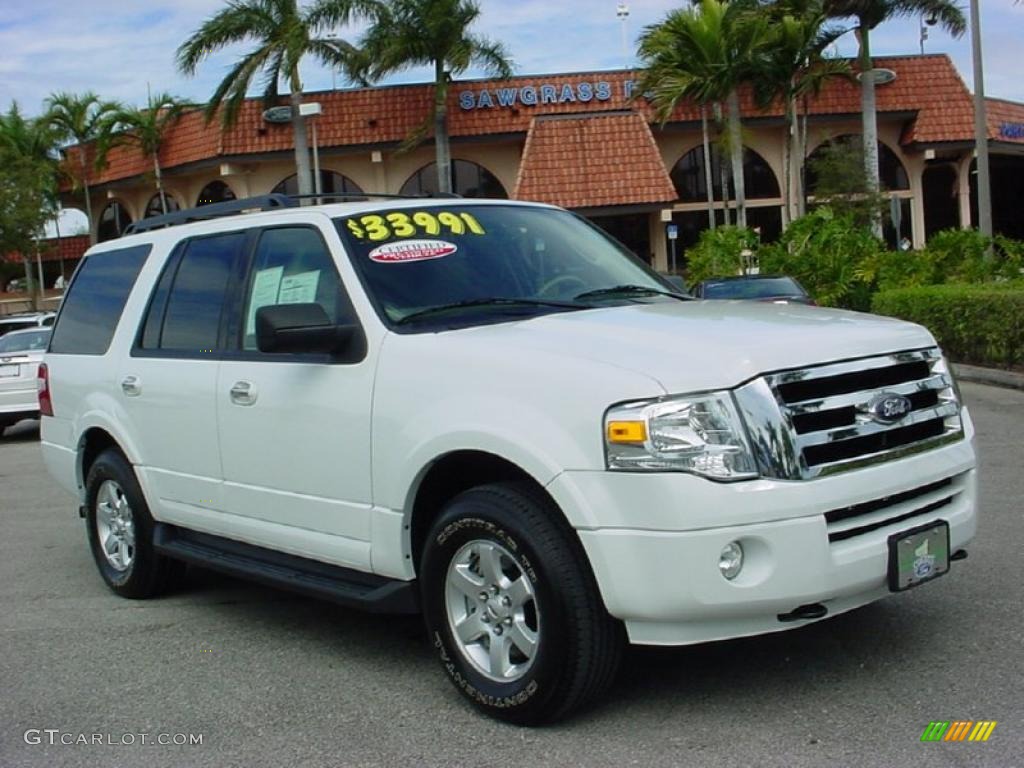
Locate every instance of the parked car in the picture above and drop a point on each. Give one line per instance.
(489, 412)
(777, 288)
(20, 355)
(22, 320)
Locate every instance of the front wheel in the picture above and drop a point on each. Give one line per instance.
(513, 609)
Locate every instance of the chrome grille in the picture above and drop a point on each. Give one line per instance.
(832, 419)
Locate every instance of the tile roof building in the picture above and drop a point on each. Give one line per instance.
(587, 141)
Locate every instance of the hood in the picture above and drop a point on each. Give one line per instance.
(701, 345)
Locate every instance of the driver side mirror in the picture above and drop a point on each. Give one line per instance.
(302, 329)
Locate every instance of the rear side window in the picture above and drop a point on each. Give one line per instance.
(95, 300)
(185, 313)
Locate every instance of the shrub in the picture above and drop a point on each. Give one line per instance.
(981, 324)
(951, 256)
(826, 252)
(720, 252)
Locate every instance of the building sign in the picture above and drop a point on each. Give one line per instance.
(1012, 130)
(545, 93)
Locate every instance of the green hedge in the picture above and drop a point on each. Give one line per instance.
(981, 324)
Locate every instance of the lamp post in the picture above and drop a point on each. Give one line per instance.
(622, 12)
(980, 127)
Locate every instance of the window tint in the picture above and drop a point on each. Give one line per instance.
(292, 266)
(194, 306)
(95, 300)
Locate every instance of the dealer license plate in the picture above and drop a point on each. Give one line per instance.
(6, 371)
(918, 555)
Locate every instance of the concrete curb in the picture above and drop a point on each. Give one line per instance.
(994, 377)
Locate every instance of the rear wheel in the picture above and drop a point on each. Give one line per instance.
(121, 531)
(513, 609)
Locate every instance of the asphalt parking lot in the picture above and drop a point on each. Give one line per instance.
(269, 679)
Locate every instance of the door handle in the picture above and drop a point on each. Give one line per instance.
(131, 386)
(243, 393)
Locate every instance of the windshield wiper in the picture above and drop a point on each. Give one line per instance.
(493, 301)
(629, 290)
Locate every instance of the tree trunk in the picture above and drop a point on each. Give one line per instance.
(159, 183)
(442, 148)
(708, 176)
(88, 202)
(803, 158)
(736, 154)
(870, 123)
(302, 171)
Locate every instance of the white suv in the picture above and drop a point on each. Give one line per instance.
(490, 412)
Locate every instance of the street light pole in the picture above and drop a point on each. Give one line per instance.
(622, 12)
(980, 127)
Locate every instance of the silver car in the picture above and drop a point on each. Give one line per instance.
(20, 355)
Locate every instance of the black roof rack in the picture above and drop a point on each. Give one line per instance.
(211, 211)
(269, 202)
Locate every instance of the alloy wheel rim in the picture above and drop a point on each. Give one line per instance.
(492, 611)
(115, 526)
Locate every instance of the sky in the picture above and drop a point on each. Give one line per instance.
(119, 48)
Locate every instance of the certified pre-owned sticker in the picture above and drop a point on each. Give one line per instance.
(412, 250)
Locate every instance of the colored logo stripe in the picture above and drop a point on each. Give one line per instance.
(935, 731)
(982, 730)
(958, 730)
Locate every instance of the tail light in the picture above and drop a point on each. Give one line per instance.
(43, 384)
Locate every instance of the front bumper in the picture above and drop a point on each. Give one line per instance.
(653, 541)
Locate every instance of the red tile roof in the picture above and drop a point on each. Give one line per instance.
(54, 249)
(1005, 120)
(592, 161)
(926, 85)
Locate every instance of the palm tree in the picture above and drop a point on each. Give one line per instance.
(705, 53)
(146, 129)
(81, 119)
(284, 34)
(793, 66)
(434, 33)
(868, 15)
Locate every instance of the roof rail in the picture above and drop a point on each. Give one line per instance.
(371, 196)
(212, 211)
(269, 202)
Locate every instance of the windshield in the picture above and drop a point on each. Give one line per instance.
(477, 263)
(758, 288)
(25, 342)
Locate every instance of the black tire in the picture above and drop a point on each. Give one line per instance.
(148, 573)
(577, 644)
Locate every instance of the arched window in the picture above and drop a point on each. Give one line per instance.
(215, 192)
(468, 180)
(891, 173)
(113, 222)
(689, 178)
(154, 208)
(329, 182)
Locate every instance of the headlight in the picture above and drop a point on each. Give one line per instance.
(702, 434)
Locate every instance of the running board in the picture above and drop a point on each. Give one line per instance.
(345, 586)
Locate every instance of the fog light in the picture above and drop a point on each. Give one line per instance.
(730, 562)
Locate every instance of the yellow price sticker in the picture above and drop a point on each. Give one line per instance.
(377, 228)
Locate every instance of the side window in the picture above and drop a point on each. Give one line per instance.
(292, 265)
(185, 313)
(95, 300)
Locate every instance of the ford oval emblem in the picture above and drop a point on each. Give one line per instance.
(888, 408)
